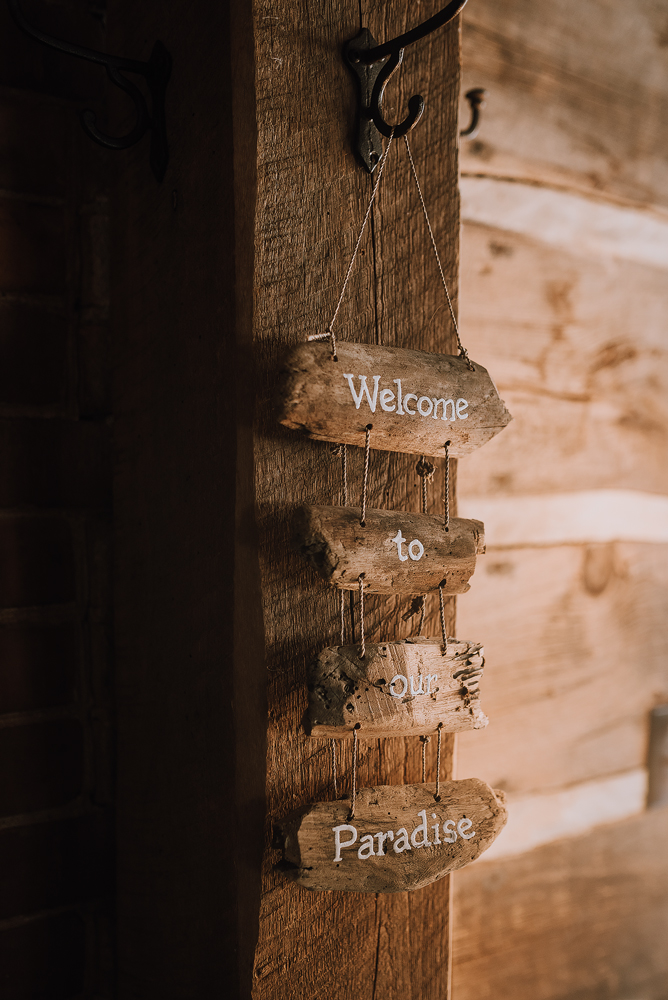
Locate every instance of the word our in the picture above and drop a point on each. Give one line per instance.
(401, 841)
(415, 548)
(402, 679)
(427, 406)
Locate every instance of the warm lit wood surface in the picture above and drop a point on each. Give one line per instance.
(311, 198)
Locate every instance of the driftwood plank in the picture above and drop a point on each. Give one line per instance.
(405, 688)
(414, 401)
(398, 552)
(399, 838)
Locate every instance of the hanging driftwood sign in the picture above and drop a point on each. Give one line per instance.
(405, 688)
(399, 838)
(398, 552)
(414, 401)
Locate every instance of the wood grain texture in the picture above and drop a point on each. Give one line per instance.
(336, 545)
(411, 401)
(590, 666)
(575, 335)
(581, 918)
(576, 95)
(312, 196)
(315, 854)
(398, 689)
(578, 349)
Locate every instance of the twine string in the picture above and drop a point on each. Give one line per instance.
(442, 610)
(437, 796)
(353, 791)
(462, 350)
(333, 753)
(365, 480)
(360, 581)
(424, 740)
(425, 471)
(329, 334)
(423, 610)
(447, 485)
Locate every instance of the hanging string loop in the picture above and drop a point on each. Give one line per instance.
(463, 353)
(447, 486)
(365, 480)
(442, 613)
(353, 790)
(437, 796)
(360, 581)
(329, 334)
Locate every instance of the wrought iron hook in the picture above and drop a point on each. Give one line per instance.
(476, 98)
(156, 72)
(364, 55)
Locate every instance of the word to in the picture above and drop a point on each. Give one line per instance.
(415, 548)
(402, 679)
(427, 406)
(401, 841)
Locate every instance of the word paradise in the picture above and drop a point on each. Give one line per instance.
(427, 406)
(400, 836)
(373, 844)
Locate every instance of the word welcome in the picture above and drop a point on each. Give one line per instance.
(415, 548)
(427, 406)
(402, 840)
(402, 679)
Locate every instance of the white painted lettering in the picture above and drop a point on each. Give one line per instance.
(446, 403)
(386, 397)
(462, 826)
(397, 382)
(338, 830)
(449, 834)
(381, 838)
(430, 678)
(364, 389)
(398, 541)
(398, 677)
(427, 406)
(419, 691)
(366, 847)
(402, 839)
(409, 395)
(421, 828)
(419, 550)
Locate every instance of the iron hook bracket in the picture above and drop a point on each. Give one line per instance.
(374, 65)
(476, 98)
(156, 72)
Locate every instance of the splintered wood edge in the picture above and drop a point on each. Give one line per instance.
(466, 716)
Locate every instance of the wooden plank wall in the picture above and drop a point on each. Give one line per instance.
(312, 195)
(572, 324)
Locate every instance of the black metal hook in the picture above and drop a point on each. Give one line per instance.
(363, 55)
(476, 98)
(156, 72)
